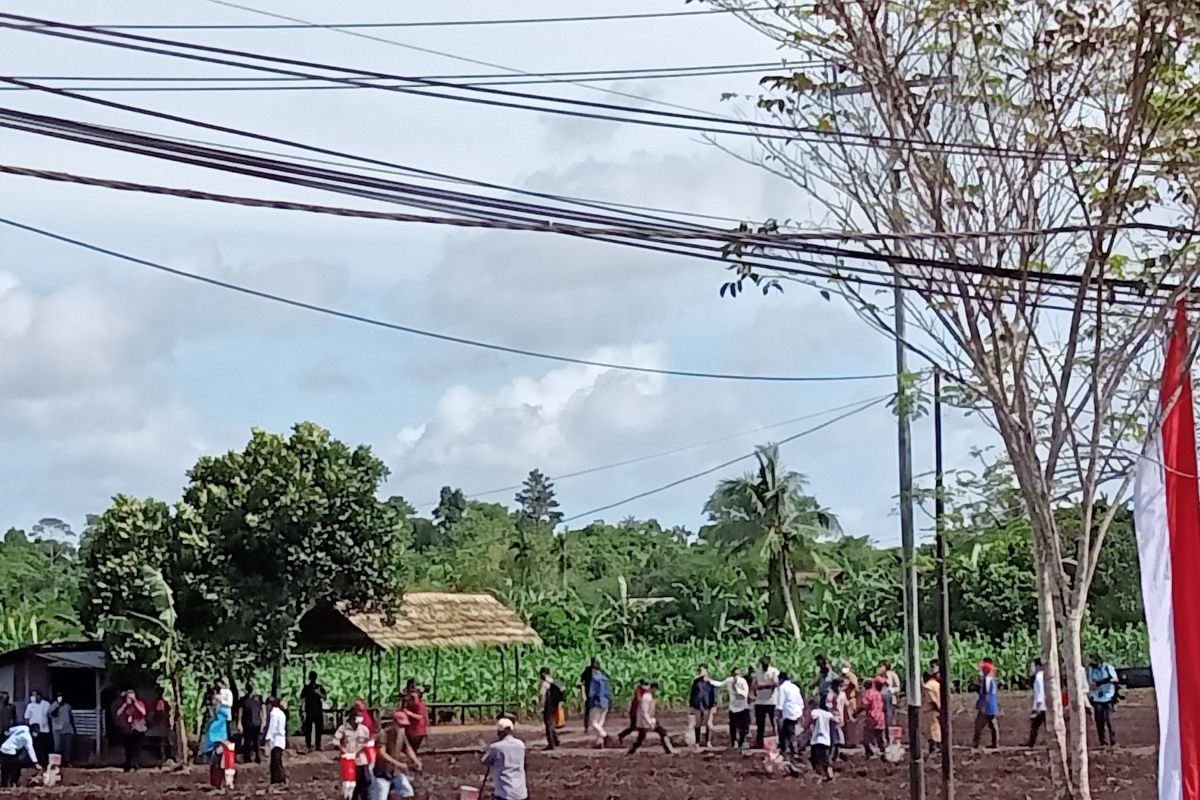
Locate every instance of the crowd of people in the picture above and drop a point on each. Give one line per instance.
(766, 708)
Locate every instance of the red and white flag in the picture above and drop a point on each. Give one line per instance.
(1166, 508)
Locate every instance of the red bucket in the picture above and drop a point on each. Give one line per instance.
(349, 769)
(230, 759)
(369, 752)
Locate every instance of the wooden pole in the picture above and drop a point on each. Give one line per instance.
(433, 691)
(517, 679)
(944, 665)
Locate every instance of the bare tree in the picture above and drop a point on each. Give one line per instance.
(1027, 171)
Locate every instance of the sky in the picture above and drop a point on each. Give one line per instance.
(115, 379)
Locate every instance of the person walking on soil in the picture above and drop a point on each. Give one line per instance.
(550, 697)
(599, 700)
(1102, 685)
(839, 713)
(891, 694)
(638, 691)
(766, 698)
(252, 719)
(702, 700)
(37, 717)
(932, 710)
(218, 748)
(647, 721)
(987, 707)
(791, 711)
(15, 751)
(850, 679)
(276, 738)
(505, 761)
(739, 708)
(312, 712)
(418, 717)
(823, 680)
(131, 721)
(393, 759)
(585, 688)
(821, 742)
(874, 719)
(351, 740)
(1037, 713)
(62, 725)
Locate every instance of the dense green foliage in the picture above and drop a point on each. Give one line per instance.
(38, 584)
(477, 675)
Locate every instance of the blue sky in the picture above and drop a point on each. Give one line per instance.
(115, 379)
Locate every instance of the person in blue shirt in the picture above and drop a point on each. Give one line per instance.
(1102, 683)
(599, 700)
(987, 707)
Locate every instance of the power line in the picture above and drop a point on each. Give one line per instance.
(640, 495)
(425, 23)
(619, 234)
(313, 85)
(664, 453)
(440, 53)
(426, 333)
(660, 119)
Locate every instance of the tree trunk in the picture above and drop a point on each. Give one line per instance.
(785, 586)
(1072, 633)
(276, 674)
(1048, 636)
(182, 755)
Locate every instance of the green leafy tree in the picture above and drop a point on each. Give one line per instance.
(451, 507)
(768, 510)
(294, 522)
(536, 518)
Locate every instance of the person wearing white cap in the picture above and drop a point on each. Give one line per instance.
(505, 760)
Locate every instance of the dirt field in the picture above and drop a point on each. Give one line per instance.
(577, 773)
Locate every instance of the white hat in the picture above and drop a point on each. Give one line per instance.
(504, 724)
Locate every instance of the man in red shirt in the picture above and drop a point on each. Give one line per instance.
(131, 719)
(418, 717)
(633, 709)
(875, 718)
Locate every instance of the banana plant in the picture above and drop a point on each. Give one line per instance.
(161, 631)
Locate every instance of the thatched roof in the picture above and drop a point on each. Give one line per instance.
(426, 620)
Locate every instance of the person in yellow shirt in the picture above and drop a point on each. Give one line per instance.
(932, 710)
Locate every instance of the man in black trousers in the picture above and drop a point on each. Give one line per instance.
(252, 720)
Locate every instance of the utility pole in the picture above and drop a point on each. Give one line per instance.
(912, 630)
(944, 666)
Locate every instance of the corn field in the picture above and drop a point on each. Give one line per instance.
(476, 675)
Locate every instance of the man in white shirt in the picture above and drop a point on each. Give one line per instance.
(739, 708)
(505, 760)
(17, 747)
(820, 740)
(1037, 714)
(276, 737)
(791, 710)
(766, 698)
(37, 717)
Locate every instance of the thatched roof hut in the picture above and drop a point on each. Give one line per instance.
(426, 620)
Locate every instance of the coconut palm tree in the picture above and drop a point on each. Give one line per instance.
(767, 509)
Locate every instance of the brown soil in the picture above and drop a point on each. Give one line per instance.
(577, 773)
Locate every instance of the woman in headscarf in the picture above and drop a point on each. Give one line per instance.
(220, 750)
(369, 722)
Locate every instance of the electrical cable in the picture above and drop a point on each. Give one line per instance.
(664, 453)
(582, 73)
(660, 119)
(275, 298)
(452, 23)
(659, 489)
(517, 222)
(306, 84)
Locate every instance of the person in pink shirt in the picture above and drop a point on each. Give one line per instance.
(874, 719)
